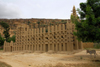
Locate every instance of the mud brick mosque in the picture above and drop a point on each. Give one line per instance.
(56, 38)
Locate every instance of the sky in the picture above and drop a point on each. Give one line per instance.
(48, 9)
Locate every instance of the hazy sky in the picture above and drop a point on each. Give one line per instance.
(49, 9)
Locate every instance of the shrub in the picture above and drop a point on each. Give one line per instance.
(97, 46)
(1, 40)
(81, 57)
(46, 30)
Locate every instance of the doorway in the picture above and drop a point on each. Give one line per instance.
(62, 47)
(74, 46)
(58, 47)
(46, 47)
(65, 46)
(11, 48)
(39, 47)
(54, 47)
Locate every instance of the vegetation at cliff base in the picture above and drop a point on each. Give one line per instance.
(11, 38)
(1, 40)
(6, 30)
(6, 34)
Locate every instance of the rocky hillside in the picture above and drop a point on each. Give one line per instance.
(33, 23)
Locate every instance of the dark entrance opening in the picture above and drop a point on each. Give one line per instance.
(42, 47)
(33, 47)
(36, 47)
(22, 47)
(74, 46)
(25, 47)
(54, 47)
(58, 47)
(46, 47)
(65, 46)
(62, 47)
(50, 46)
(79, 45)
(28, 47)
(39, 47)
(11, 48)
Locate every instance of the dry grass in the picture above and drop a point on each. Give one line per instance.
(73, 65)
(2, 64)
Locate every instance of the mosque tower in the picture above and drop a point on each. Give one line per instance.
(74, 12)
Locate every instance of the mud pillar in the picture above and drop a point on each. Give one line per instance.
(59, 46)
(4, 46)
(48, 47)
(68, 46)
(76, 44)
(35, 46)
(12, 48)
(56, 47)
(38, 47)
(53, 47)
(80, 45)
(63, 46)
(44, 47)
(41, 47)
(32, 47)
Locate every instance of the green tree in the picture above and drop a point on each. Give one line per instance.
(28, 22)
(88, 29)
(51, 24)
(62, 20)
(46, 30)
(5, 25)
(9, 39)
(13, 38)
(6, 30)
(1, 40)
(38, 24)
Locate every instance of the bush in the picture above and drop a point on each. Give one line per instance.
(9, 39)
(97, 46)
(38, 22)
(46, 30)
(51, 24)
(1, 48)
(1, 40)
(13, 38)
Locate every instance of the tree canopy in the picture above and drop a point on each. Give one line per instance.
(13, 38)
(1, 40)
(6, 30)
(6, 34)
(4, 25)
(88, 28)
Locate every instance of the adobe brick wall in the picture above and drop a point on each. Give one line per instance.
(88, 45)
(58, 38)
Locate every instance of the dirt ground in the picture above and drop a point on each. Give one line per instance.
(28, 59)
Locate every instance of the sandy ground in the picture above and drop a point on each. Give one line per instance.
(22, 59)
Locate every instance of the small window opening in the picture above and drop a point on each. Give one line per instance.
(61, 36)
(46, 37)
